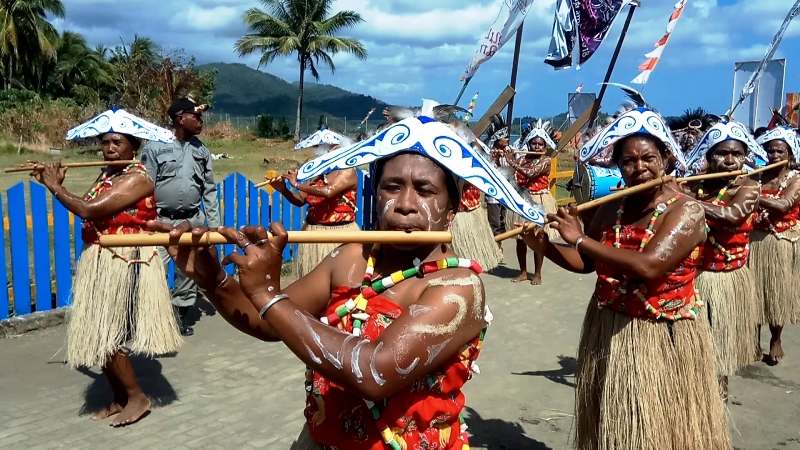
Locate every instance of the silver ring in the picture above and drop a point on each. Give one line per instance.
(262, 241)
(247, 244)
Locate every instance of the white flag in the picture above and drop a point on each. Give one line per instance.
(510, 17)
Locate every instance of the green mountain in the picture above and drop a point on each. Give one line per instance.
(243, 91)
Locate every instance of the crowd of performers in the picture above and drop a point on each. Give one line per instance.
(389, 335)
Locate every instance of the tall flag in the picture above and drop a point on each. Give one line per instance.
(510, 17)
(750, 86)
(582, 22)
(471, 107)
(366, 118)
(580, 88)
(648, 66)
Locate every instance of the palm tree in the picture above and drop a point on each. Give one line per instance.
(81, 73)
(304, 27)
(25, 33)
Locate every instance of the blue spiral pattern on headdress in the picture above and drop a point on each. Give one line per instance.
(785, 134)
(721, 132)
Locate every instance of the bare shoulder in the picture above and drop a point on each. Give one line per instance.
(469, 281)
(746, 182)
(344, 258)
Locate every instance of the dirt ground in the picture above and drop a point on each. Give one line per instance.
(226, 390)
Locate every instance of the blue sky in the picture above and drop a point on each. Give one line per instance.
(419, 49)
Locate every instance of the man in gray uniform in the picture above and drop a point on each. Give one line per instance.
(183, 178)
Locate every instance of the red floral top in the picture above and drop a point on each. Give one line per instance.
(533, 185)
(470, 198)
(726, 248)
(671, 294)
(423, 415)
(768, 219)
(322, 211)
(132, 220)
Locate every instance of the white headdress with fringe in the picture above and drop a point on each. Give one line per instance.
(725, 130)
(540, 130)
(451, 146)
(785, 134)
(120, 121)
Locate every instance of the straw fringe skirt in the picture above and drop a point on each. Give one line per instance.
(730, 299)
(473, 239)
(776, 266)
(310, 255)
(305, 441)
(115, 302)
(544, 198)
(645, 385)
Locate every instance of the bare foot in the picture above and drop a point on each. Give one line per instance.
(522, 277)
(112, 409)
(759, 355)
(133, 411)
(537, 280)
(775, 352)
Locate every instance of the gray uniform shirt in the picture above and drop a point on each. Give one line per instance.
(183, 176)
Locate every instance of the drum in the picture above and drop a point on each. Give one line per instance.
(592, 182)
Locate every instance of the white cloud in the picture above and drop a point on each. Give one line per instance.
(207, 19)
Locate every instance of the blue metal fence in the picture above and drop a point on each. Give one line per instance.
(51, 235)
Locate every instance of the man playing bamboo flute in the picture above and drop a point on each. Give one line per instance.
(120, 295)
(724, 280)
(389, 334)
(645, 377)
(773, 256)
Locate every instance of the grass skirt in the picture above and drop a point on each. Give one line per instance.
(310, 255)
(730, 299)
(473, 239)
(544, 198)
(305, 441)
(115, 302)
(646, 385)
(775, 265)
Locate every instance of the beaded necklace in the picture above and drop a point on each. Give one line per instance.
(730, 255)
(356, 309)
(623, 288)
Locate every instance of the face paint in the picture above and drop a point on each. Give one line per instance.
(450, 327)
(691, 217)
(375, 375)
(434, 350)
(436, 206)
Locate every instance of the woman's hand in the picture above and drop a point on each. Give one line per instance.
(200, 263)
(567, 224)
(291, 177)
(536, 239)
(52, 176)
(260, 265)
(509, 155)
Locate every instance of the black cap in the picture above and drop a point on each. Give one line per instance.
(183, 105)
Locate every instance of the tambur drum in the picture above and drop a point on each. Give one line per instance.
(592, 182)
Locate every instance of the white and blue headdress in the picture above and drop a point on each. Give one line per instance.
(436, 140)
(540, 130)
(725, 130)
(785, 134)
(322, 137)
(639, 120)
(120, 121)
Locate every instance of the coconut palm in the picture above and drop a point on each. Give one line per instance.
(25, 33)
(302, 27)
(80, 72)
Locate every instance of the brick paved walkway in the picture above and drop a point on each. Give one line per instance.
(227, 390)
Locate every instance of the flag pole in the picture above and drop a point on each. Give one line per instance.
(463, 88)
(596, 107)
(514, 70)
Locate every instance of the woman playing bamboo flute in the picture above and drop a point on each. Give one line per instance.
(331, 201)
(389, 334)
(773, 257)
(120, 295)
(724, 280)
(532, 173)
(646, 377)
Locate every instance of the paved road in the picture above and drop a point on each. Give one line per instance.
(226, 390)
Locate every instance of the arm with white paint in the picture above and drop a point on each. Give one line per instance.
(681, 230)
(533, 169)
(737, 209)
(448, 315)
(789, 199)
(339, 182)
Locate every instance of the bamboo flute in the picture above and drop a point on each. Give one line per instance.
(269, 181)
(39, 166)
(766, 168)
(710, 176)
(525, 152)
(593, 204)
(295, 237)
